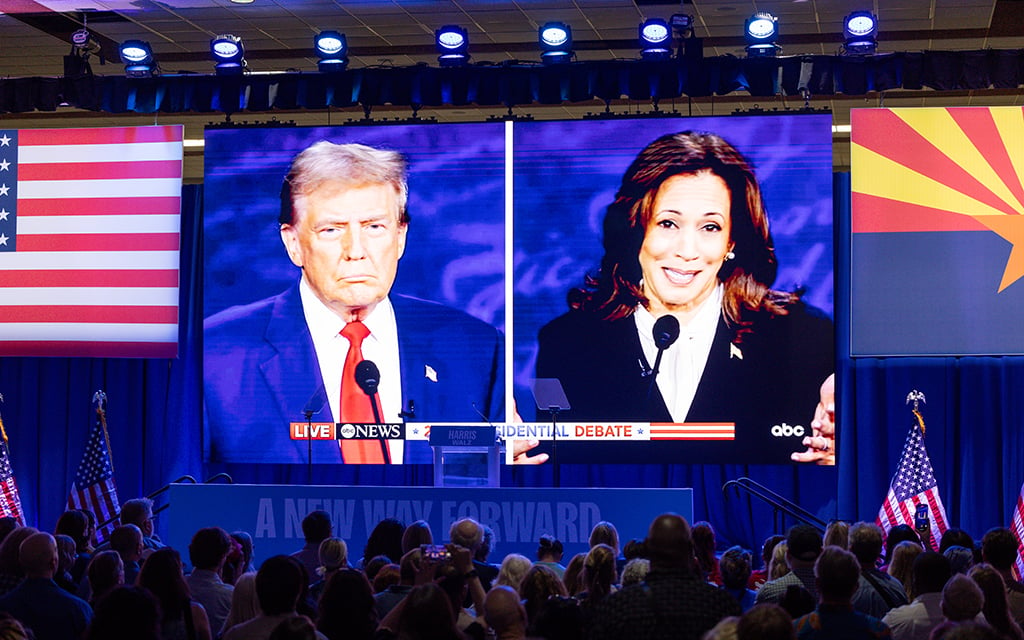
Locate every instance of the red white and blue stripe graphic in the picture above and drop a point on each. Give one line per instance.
(1017, 526)
(90, 224)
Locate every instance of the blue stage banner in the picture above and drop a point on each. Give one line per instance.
(273, 514)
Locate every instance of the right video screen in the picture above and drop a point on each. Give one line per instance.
(673, 289)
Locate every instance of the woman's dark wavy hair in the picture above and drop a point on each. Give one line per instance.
(615, 291)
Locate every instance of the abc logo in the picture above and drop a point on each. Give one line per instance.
(347, 431)
(784, 430)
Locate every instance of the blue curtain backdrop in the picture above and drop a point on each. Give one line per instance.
(974, 414)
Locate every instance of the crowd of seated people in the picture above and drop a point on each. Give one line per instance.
(851, 581)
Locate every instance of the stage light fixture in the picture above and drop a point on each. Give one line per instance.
(761, 30)
(138, 59)
(452, 42)
(332, 49)
(655, 39)
(228, 54)
(555, 42)
(860, 29)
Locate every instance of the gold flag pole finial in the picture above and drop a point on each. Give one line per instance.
(916, 396)
(100, 398)
(3, 432)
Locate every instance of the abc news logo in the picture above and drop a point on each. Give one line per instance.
(785, 430)
(347, 431)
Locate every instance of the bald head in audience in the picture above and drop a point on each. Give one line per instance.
(38, 556)
(670, 543)
(505, 613)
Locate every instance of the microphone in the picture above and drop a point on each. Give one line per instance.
(666, 332)
(368, 378)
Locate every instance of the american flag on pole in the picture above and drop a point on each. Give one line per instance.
(10, 501)
(90, 224)
(93, 488)
(914, 484)
(1017, 527)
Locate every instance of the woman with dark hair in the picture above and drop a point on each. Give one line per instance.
(125, 613)
(539, 584)
(687, 236)
(997, 607)
(427, 614)
(180, 617)
(899, 533)
(704, 550)
(384, 540)
(549, 554)
(346, 607)
(104, 573)
(75, 524)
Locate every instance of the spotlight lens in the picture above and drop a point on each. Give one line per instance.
(225, 49)
(329, 45)
(761, 27)
(860, 25)
(554, 36)
(451, 39)
(655, 32)
(134, 54)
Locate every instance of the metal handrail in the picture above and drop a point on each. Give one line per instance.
(778, 502)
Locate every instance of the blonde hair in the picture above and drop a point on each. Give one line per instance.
(513, 570)
(779, 566)
(333, 555)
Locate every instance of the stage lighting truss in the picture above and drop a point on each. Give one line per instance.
(761, 30)
(332, 50)
(860, 30)
(452, 42)
(137, 57)
(555, 42)
(655, 39)
(228, 54)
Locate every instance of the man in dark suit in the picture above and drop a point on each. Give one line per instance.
(344, 223)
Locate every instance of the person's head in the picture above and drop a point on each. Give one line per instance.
(955, 537)
(333, 554)
(10, 550)
(38, 556)
(74, 523)
(11, 629)
(704, 546)
(385, 540)
(726, 629)
(317, 526)
(7, 525)
(467, 533)
(571, 577)
(161, 574)
(765, 622)
(797, 601)
(605, 532)
(138, 511)
(294, 628)
(504, 613)
(208, 548)
(539, 584)
(127, 541)
(960, 558)
(803, 543)
(836, 572)
(736, 568)
(931, 572)
(778, 566)
(962, 599)
(374, 565)
(967, 631)
(999, 548)
(279, 584)
(837, 534)
(558, 618)
(416, 534)
(691, 195)
(634, 549)
(599, 572)
(768, 546)
(409, 566)
(549, 549)
(125, 613)
(388, 575)
(347, 604)
(244, 604)
(427, 614)
(669, 543)
(898, 534)
(902, 565)
(635, 571)
(513, 570)
(105, 571)
(65, 552)
(344, 223)
(486, 544)
(993, 588)
(866, 543)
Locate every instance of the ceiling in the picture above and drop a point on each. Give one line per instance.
(34, 37)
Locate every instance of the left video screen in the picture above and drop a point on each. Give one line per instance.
(364, 262)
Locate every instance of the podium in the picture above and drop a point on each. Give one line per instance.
(466, 456)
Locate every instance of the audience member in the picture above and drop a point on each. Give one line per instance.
(75, 523)
(11, 629)
(279, 585)
(512, 571)
(389, 598)
(483, 552)
(967, 631)
(104, 573)
(605, 532)
(902, 565)
(735, 569)
(180, 617)
(426, 614)
(996, 609)
(916, 620)
(999, 549)
(244, 604)
(803, 544)
(954, 537)
(346, 608)
(11, 572)
(294, 628)
(139, 512)
(389, 574)
(416, 534)
(125, 613)
(704, 548)
(505, 614)
(599, 576)
(539, 584)
(208, 552)
(778, 566)
(673, 602)
(129, 543)
(549, 554)
(38, 603)
(234, 563)
(65, 561)
(636, 571)
(877, 593)
(316, 527)
(899, 533)
(559, 618)
(384, 540)
(468, 533)
(962, 601)
(726, 629)
(837, 572)
(91, 531)
(450, 578)
(837, 534)
(634, 549)
(759, 576)
(7, 525)
(961, 559)
(797, 601)
(333, 556)
(571, 577)
(765, 622)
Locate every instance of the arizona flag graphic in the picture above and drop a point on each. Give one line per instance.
(938, 231)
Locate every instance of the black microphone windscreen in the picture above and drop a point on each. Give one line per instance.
(367, 377)
(666, 331)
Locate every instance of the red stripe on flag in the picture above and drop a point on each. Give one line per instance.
(111, 135)
(905, 511)
(81, 314)
(875, 214)
(981, 128)
(100, 170)
(100, 242)
(83, 349)
(890, 512)
(936, 509)
(156, 205)
(90, 278)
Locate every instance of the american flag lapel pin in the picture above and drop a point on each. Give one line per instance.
(430, 373)
(734, 351)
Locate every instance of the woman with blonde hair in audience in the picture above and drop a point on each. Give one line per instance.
(244, 604)
(599, 575)
(571, 578)
(779, 566)
(513, 570)
(901, 566)
(333, 554)
(837, 534)
(997, 606)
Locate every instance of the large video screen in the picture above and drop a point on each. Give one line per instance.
(724, 224)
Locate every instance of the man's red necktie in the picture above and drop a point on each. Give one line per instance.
(355, 403)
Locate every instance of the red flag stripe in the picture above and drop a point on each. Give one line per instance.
(936, 509)
(99, 170)
(90, 314)
(150, 205)
(100, 242)
(110, 135)
(89, 278)
(86, 349)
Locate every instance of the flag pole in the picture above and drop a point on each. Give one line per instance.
(100, 398)
(3, 432)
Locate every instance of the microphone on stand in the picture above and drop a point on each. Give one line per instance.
(368, 378)
(666, 332)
